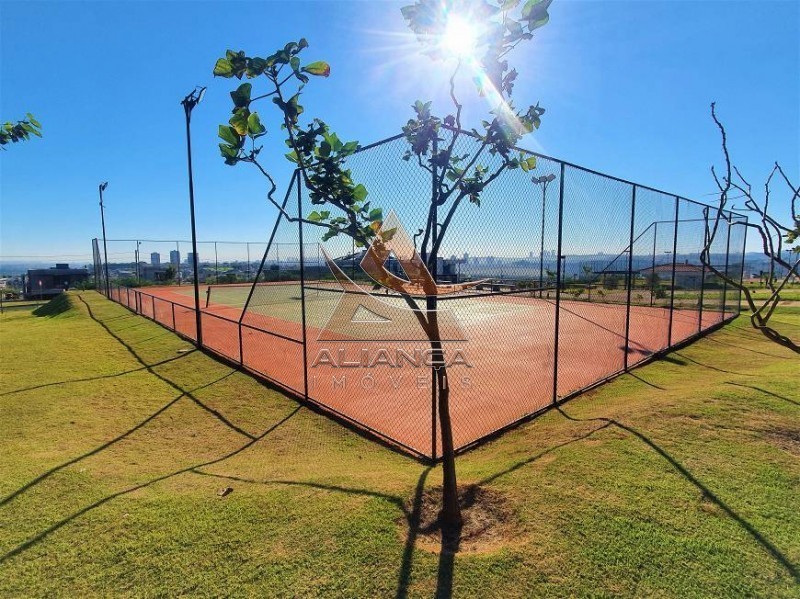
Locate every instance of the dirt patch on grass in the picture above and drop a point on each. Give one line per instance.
(784, 437)
(489, 523)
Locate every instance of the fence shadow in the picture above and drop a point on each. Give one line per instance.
(105, 445)
(216, 414)
(707, 494)
(51, 529)
(773, 394)
(98, 377)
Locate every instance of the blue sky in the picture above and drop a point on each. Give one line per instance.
(626, 85)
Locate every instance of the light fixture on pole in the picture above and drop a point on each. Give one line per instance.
(189, 102)
(102, 188)
(543, 181)
(138, 276)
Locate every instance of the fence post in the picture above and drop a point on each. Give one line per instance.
(173, 316)
(241, 345)
(724, 281)
(216, 264)
(653, 272)
(630, 280)
(741, 270)
(153, 304)
(674, 264)
(703, 275)
(302, 287)
(558, 281)
(294, 180)
(431, 301)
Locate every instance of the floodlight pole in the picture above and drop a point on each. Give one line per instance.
(102, 188)
(189, 102)
(544, 181)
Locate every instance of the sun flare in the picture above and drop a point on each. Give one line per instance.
(460, 37)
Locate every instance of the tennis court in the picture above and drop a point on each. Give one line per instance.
(579, 283)
(506, 371)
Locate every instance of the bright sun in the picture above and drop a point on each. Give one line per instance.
(459, 38)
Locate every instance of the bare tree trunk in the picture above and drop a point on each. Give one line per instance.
(451, 511)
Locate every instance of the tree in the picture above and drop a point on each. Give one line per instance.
(587, 276)
(610, 281)
(320, 155)
(19, 131)
(169, 273)
(779, 241)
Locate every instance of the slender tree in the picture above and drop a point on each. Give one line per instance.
(458, 179)
(779, 241)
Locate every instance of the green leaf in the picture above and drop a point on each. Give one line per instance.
(241, 96)
(33, 121)
(315, 217)
(292, 157)
(254, 126)
(223, 68)
(228, 134)
(388, 234)
(376, 214)
(535, 12)
(360, 193)
(239, 121)
(319, 68)
(350, 147)
(256, 66)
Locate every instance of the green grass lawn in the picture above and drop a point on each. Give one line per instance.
(678, 480)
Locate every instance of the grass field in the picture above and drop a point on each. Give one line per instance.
(678, 480)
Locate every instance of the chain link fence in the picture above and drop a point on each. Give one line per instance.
(571, 277)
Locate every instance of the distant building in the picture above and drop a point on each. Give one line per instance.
(190, 258)
(49, 282)
(687, 276)
(175, 258)
(155, 259)
(153, 273)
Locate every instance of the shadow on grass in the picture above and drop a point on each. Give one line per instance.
(765, 543)
(219, 416)
(45, 533)
(58, 305)
(98, 377)
(784, 398)
(106, 445)
(718, 341)
(642, 380)
(413, 515)
(673, 360)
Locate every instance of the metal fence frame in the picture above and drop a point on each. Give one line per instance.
(143, 303)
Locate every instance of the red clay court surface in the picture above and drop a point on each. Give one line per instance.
(510, 349)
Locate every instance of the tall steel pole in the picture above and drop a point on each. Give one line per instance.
(541, 243)
(189, 102)
(102, 188)
(544, 181)
(138, 276)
